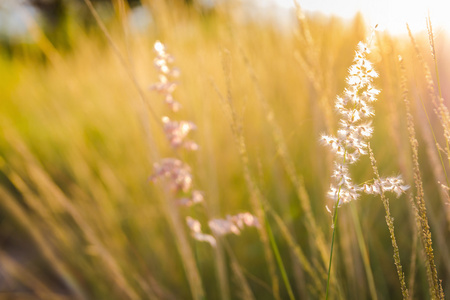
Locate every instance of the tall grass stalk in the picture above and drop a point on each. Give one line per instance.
(439, 166)
(276, 252)
(390, 224)
(423, 226)
(213, 192)
(413, 264)
(240, 278)
(288, 164)
(311, 63)
(438, 80)
(130, 72)
(299, 254)
(440, 109)
(433, 54)
(258, 202)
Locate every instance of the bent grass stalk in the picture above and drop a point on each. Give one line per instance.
(255, 197)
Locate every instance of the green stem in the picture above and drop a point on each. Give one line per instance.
(364, 253)
(279, 260)
(332, 246)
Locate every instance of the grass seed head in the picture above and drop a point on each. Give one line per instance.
(354, 132)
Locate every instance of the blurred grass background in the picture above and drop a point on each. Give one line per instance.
(80, 219)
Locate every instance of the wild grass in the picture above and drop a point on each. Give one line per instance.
(80, 132)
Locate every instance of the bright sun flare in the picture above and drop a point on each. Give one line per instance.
(389, 15)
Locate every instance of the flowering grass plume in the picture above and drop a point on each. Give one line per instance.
(355, 131)
(167, 74)
(176, 174)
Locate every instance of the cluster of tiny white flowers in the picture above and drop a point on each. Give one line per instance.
(196, 231)
(390, 184)
(233, 224)
(166, 85)
(354, 132)
(194, 198)
(177, 174)
(220, 227)
(176, 133)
